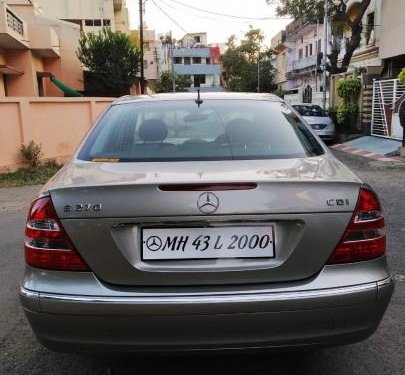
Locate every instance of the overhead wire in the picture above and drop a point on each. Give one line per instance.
(170, 17)
(227, 15)
(212, 18)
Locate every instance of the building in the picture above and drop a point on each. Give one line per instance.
(33, 48)
(280, 50)
(392, 32)
(90, 15)
(150, 53)
(298, 49)
(192, 56)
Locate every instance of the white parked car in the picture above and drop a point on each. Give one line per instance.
(318, 119)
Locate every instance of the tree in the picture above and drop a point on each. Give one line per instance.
(165, 83)
(240, 63)
(112, 62)
(313, 11)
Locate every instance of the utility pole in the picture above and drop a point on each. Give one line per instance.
(172, 61)
(141, 45)
(325, 51)
(258, 73)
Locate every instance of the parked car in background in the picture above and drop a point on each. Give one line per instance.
(186, 224)
(318, 119)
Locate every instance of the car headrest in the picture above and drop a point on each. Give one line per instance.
(239, 130)
(153, 130)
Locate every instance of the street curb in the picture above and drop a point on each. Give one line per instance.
(368, 154)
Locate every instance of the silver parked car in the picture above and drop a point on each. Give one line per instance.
(318, 120)
(195, 224)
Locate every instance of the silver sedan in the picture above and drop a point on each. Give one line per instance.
(219, 222)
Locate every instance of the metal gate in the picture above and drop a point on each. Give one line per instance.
(387, 97)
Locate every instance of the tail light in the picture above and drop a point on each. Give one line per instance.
(364, 238)
(47, 245)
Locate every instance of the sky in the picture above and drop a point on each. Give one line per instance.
(218, 27)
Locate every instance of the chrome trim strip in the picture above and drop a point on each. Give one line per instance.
(387, 281)
(208, 298)
(28, 293)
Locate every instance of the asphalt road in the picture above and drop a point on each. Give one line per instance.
(383, 353)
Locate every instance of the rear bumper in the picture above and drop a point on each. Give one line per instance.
(207, 322)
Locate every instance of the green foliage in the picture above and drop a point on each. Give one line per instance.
(401, 77)
(28, 176)
(240, 63)
(31, 153)
(347, 112)
(165, 83)
(348, 90)
(343, 26)
(112, 61)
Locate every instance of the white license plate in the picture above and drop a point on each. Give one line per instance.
(208, 243)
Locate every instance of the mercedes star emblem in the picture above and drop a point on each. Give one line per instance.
(208, 203)
(154, 243)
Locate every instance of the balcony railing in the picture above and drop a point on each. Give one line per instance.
(191, 52)
(197, 69)
(304, 63)
(15, 23)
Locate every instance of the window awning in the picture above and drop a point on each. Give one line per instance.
(9, 70)
(68, 91)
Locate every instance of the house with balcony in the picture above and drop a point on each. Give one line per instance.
(32, 49)
(192, 56)
(90, 15)
(279, 48)
(303, 40)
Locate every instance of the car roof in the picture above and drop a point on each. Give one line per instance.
(193, 95)
(307, 104)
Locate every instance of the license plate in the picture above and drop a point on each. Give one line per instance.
(208, 243)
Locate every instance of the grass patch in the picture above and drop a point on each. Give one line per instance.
(28, 176)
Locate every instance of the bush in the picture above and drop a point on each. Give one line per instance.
(401, 77)
(32, 153)
(348, 90)
(347, 112)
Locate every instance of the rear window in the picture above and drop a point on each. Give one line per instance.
(310, 110)
(216, 130)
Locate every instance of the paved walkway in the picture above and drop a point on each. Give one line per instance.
(374, 148)
(15, 198)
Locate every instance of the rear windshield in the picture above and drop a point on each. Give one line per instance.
(310, 110)
(216, 130)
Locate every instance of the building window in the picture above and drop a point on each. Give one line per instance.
(300, 53)
(370, 28)
(106, 22)
(197, 39)
(208, 61)
(187, 61)
(196, 60)
(177, 60)
(199, 79)
(89, 22)
(311, 52)
(97, 22)
(306, 51)
(307, 95)
(145, 64)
